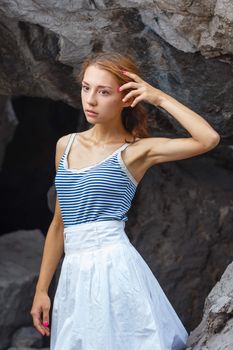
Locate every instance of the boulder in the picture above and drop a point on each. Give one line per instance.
(27, 337)
(20, 257)
(215, 332)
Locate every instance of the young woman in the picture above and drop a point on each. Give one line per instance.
(107, 297)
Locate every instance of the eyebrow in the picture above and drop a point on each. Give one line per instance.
(103, 86)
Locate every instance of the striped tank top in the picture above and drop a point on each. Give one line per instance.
(103, 191)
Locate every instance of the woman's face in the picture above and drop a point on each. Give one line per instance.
(99, 94)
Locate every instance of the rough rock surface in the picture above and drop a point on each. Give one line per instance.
(44, 41)
(181, 223)
(8, 123)
(26, 348)
(182, 218)
(20, 255)
(27, 337)
(215, 330)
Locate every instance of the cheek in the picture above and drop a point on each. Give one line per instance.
(114, 101)
(82, 96)
(111, 106)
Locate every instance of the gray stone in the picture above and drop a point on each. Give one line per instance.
(20, 256)
(192, 26)
(27, 337)
(181, 23)
(215, 332)
(184, 226)
(14, 348)
(8, 123)
(181, 223)
(51, 198)
(171, 41)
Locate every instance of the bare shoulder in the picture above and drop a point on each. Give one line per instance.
(141, 146)
(60, 147)
(136, 158)
(147, 144)
(140, 152)
(61, 143)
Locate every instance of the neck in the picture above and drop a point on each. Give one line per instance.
(102, 134)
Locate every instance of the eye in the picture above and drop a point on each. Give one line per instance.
(105, 92)
(84, 87)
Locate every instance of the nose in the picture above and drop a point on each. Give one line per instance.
(91, 98)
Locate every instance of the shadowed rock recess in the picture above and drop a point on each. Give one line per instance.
(182, 216)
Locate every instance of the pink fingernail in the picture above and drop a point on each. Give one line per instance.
(46, 323)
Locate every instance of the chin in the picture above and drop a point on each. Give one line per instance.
(93, 121)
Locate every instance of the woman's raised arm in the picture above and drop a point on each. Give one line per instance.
(162, 149)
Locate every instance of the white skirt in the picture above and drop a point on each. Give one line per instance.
(107, 297)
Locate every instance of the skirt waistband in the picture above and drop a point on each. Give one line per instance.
(94, 235)
(91, 224)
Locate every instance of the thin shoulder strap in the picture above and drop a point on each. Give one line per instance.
(123, 146)
(71, 139)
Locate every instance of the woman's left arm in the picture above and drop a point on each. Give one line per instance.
(162, 149)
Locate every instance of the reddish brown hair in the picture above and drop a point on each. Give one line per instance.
(134, 119)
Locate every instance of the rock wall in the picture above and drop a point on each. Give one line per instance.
(182, 225)
(215, 330)
(181, 220)
(20, 256)
(184, 48)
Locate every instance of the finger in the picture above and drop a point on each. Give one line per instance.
(129, 85)
(136, 100)
(133, 76)
(46, 319)
(37, 325)
(130, 94)
(47, 331)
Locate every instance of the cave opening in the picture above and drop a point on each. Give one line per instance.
(28, 168)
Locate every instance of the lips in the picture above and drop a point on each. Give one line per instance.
(90, 111)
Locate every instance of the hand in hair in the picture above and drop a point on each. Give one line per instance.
(142, 91)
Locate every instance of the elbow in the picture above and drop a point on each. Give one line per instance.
(214, 140)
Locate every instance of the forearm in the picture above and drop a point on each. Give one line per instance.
(52, 253)
(197, 126)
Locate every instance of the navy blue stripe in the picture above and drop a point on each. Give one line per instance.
(100, 192)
